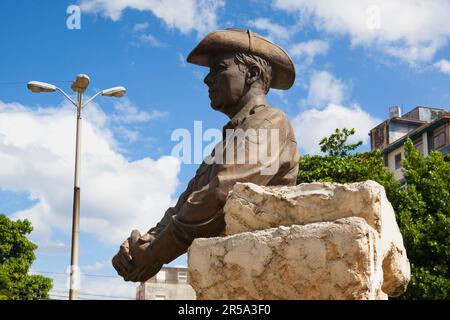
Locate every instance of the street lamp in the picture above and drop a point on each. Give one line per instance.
(79, 87)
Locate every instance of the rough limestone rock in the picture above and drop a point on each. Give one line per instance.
(251, 207)
(311, 241)
(327, 260)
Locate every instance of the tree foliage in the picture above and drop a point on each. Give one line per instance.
(422, 207)
(424, 219)
(16, 257)
(337, 145)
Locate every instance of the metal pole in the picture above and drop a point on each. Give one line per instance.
(74, 271)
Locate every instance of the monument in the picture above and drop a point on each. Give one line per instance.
(258, 146)
(251, 232)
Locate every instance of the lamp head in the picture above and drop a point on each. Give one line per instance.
(37, 87)
(114, 92)
(81, 83)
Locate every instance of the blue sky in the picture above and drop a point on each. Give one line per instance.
(353, 61)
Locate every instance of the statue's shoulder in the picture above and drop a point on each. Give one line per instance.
(274, 115)
(266, 117)
(275, 111)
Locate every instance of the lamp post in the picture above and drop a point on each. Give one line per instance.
(79, 87)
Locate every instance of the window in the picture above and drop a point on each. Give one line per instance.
(398, 161)
(182, 276)
(419, 146)
(161, 276)
(439, 139)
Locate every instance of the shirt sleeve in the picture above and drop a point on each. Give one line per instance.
(173, 210)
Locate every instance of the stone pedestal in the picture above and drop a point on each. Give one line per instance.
(311, 241)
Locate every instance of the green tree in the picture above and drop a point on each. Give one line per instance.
(424, 219)
(422, 207)
(343, 165)
(16, 257)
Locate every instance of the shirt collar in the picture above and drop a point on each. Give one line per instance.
(245, 111)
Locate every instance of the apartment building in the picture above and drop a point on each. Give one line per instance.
(427, 127)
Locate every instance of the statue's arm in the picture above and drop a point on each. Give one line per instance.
(173, 210)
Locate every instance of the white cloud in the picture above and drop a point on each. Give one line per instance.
(117, 195)
(53, 247)
(127, 134)
(96, 282)
(107, 289)
(184, 15)
(443, 66)
(151, 41)
(182, 60)
(306, 51)
(127, 112)
(275, 31)
(138, 27)
(324, 88)
(313, 125)
(94, 288)
(145, 38)
(410, 30)
(98, 265)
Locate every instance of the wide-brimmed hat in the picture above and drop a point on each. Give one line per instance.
(246, 41)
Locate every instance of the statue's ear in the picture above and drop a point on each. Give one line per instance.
(253, 74)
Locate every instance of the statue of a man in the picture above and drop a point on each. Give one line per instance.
(243, 67)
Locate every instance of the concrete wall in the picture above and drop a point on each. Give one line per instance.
(399, 129)
(391, 162)
(424, 114)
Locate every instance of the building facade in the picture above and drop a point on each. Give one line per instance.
(428, 128)
(168, 284)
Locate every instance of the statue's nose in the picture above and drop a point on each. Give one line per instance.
(209, 80)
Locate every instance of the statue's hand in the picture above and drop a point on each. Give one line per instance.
(132, 257)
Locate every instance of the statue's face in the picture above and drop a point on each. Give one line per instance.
(225, 81)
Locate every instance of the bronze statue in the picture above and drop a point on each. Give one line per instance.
(243, 67)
